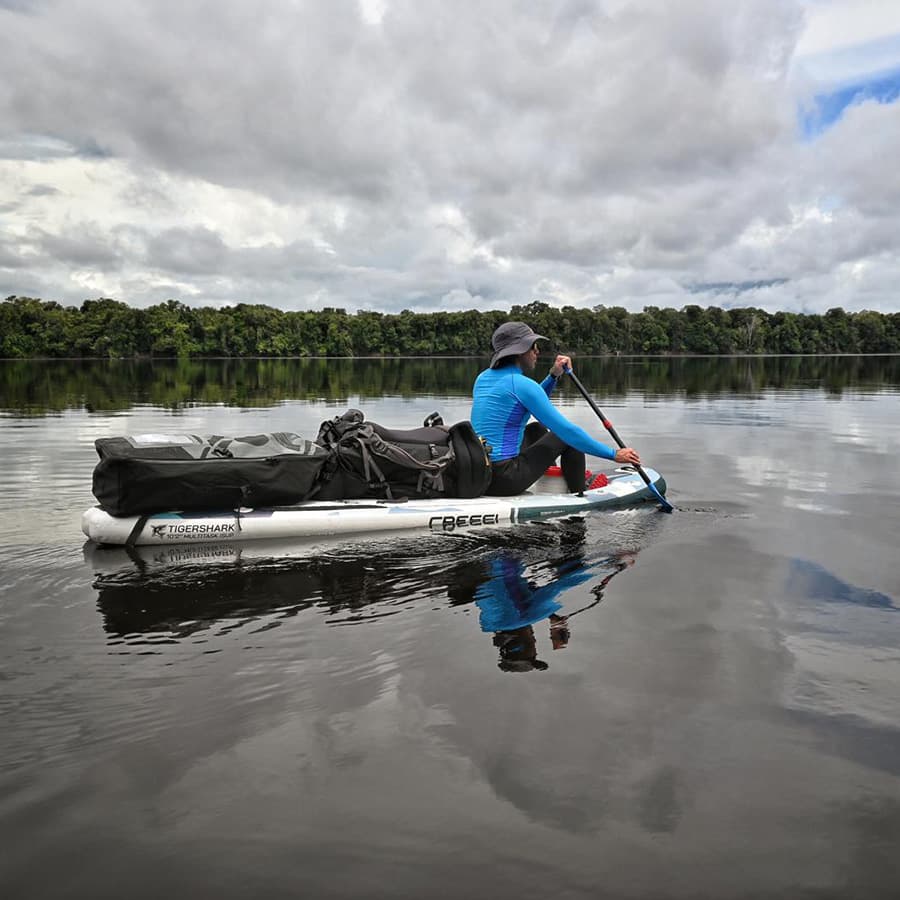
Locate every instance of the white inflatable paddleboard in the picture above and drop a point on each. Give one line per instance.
(337, 517)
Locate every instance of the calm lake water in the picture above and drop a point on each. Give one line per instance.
(719, 716)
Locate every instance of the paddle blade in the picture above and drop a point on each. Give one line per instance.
(666, 506)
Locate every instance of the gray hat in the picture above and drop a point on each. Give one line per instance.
(511, 339)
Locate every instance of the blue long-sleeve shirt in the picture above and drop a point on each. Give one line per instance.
(504, 399)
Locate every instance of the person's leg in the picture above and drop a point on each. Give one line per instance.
(534, 431)
(512, 476)
(571, 461)
(573, 465)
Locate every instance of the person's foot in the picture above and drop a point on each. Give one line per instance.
(592, 481)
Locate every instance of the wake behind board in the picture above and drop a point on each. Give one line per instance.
(324, 518)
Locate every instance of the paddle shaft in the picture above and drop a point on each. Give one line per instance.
(615, 434)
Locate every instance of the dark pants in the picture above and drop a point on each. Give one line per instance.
(540, 448)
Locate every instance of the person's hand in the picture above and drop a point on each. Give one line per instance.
(560, 365)
(628, 455)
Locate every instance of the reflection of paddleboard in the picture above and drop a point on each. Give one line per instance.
(109, 559)
(313, 518)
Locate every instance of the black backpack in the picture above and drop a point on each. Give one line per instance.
(369, 460)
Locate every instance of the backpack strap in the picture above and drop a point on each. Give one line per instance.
(473, 461)
(367, 451)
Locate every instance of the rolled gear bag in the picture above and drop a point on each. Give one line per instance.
(154, 473)
(371, 461)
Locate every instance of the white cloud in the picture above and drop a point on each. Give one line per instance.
(847, 41)
(394, 154)
(834, 24)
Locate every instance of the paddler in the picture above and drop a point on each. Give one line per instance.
(504, 397)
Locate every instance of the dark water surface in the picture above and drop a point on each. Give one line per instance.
(718, 716)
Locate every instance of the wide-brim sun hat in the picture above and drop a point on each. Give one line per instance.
(511, 339)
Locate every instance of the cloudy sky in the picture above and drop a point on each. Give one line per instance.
(391, 154)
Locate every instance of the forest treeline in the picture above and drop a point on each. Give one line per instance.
(105, 328)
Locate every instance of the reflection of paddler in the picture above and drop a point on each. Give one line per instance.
(559, 631)
(507, 600)
(518, 650)
(510, 605)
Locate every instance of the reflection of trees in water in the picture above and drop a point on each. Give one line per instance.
(30, 387)
(38, 387)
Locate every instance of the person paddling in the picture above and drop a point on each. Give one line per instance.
(503, 400)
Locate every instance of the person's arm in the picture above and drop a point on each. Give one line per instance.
(549, 384)
(556, 370)
(533, 398)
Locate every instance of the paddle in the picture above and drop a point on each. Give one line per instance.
(667, 507)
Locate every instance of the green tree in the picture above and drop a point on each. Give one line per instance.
(171, 327)
(109, 328)
(873, 335)
(648, 335)
(785, 334)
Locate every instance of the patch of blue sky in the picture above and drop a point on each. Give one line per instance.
(734, 287)
(828, 107)
(842, 77)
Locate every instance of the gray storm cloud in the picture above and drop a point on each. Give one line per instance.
(431, 155)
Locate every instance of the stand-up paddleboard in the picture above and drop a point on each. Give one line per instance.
(322, 518)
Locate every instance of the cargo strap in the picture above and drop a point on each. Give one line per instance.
(136, 531)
